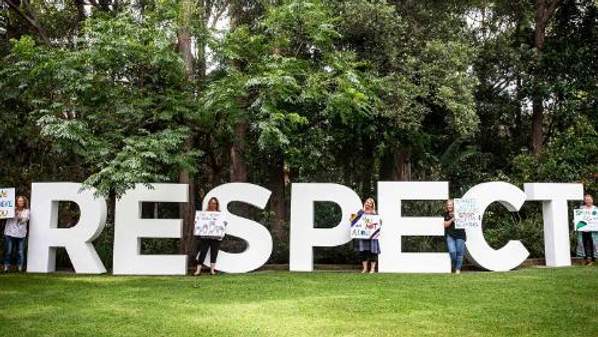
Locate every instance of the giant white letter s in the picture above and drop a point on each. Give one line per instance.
(258, 238)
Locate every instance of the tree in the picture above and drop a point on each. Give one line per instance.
(544, 11)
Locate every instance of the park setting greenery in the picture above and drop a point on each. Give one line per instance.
(116, 92)
(527, 302)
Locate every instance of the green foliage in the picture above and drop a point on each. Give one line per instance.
(342, 91)
(286, 78)
(569, 156)
(118, 100)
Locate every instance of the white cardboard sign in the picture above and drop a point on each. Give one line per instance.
(585, 219)
(467, 213)
(210, 225)
(365, 226)
(7, 203)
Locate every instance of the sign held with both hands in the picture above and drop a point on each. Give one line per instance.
(7, 203)
(210, 225)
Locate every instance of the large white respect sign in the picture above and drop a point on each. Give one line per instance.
(130, 228)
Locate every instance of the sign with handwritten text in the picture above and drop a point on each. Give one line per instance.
(365, 226)
(467, 213)
(586, 219)
(210, 225)
(7, 203)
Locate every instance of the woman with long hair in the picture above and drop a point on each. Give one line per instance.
(15, 233)
(455, 237)
(368, 249)
(205, 243)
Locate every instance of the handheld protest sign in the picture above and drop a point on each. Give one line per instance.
(365, 226)
(467, 213)
(7, 203)
(585, 219)
(210, 225)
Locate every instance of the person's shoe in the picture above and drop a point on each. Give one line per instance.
(458, 271)
(6, 268)
(590, 263)
(363, 271)
(20, 268)
(372, 271)
(197, 272)
(212, 272)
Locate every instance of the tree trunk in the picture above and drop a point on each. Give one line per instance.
(80, 4)
(278, 205)
(544, 10)
(187, 210)
(238, 168)
(387, 165)
(396, 165)
(24, 10)
(403, 165)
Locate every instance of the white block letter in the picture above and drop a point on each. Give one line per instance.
(44, 236)
(395, 226)
(556, 225)
(258, 238)
(513, 253)
(303, 234)
(129, 228)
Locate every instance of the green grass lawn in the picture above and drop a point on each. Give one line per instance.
(528, 302)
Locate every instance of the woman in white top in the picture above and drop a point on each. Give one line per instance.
(15, 233)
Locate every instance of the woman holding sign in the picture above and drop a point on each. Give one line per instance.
(15, 232)
(208, 242)
(368, 248)
(455, 237)
(588, 239)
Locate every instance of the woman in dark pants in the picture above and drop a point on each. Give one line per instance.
(368, 249)
(587, 238)
(206, 243)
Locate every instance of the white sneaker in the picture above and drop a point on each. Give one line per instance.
(20, 268)
(457, 271)
(6, 268)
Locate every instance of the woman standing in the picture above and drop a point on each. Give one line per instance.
(368, 249)
(15, 232)
(588, 240)
(455, 238)
(210, 243)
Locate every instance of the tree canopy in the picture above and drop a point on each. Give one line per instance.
(117, 92)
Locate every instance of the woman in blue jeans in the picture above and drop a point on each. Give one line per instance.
(455, 238)
(15, 233)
